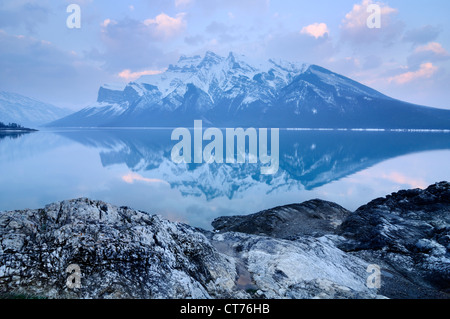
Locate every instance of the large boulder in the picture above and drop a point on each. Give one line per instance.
(409, 230)
(311, 218)
(121, 253)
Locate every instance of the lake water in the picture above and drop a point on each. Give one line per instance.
(133, 167)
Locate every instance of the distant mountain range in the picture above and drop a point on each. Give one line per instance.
(16, 108)
(233, 91)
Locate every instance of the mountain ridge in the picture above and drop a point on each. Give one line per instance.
(26, 111)
(234, 91)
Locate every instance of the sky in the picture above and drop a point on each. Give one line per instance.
(407, 58)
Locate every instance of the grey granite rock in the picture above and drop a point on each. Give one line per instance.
(311, 218)
(408, 230)
(306, 268)
(122, 253)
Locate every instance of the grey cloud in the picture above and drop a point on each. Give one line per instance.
(422, 35)
(41, 70)
(28, 15)
(361, 37)
(225, 33)
(129, 44)
(372, 62)
(217, 27)
(299, 47)
(194, 40)
(247, 5)
(388, 73)
(354, 28)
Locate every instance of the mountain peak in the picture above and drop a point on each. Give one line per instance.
(237, 57)
(184, 58)
(210, 54)
(231, 56)
(210, 59)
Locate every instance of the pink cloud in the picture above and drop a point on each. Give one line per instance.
(166, 26)
(131, 76)
(426, 71)
(316, 30)
(357, 18)
(399, 178)
(107, 22)
(354, 26)
(133, 177)
(433, 47)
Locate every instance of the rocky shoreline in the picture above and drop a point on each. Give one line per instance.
(315, 249)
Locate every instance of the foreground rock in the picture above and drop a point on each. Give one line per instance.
(312, 250)
(312, 218)
(302, 269)
(122, 253)
(409, 230)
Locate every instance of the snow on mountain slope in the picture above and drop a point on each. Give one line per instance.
(16, 108)
(235, 90)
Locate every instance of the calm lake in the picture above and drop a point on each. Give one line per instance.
(133, 167)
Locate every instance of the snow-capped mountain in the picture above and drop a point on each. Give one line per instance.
(16, 108)
(234, 91)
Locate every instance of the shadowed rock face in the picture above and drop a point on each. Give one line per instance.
(313, 218)
(409, 229)
(312, 250)
(400, 219)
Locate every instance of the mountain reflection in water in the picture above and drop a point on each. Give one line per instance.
(133, 167)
